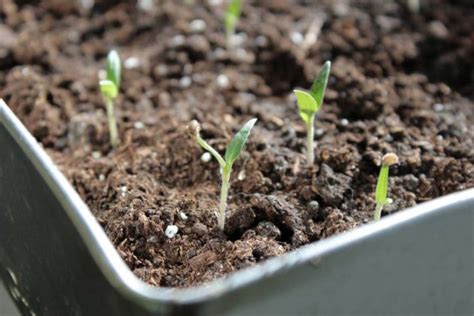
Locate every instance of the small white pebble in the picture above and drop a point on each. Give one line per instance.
(25, 71)
(96, 154)
(297, 38)
(171, 231)
(183, 216)
(87, 4)
(439, 137)
(124, 189)
(206, 157)
(238, 39)
(261, 41)
(215, 2)
(319, 132)
(219, 53)
(389, 200)
(198, 26)
(101, 177)
(222, 81)
(178, 40)
(438, 29)
(344, 122)
(145, 5)
(131, 62)
(241, 175)
(241, 54)
(138, 125)
(185, 82)
(438, 107)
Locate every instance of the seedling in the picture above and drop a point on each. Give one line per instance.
(232, 16)
(309, 103)
(382, 184)
(109, 89)
(231, 154)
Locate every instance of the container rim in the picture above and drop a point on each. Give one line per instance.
(122, 278)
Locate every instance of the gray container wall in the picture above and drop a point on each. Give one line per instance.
(56, 260)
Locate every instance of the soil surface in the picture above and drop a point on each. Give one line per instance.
(401, 82)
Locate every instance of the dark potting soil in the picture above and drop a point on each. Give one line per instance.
(400, 82)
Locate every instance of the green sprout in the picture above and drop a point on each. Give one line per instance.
(109, 89)
(232, 16)
(231, 154)
(382, 184)
(309, 103)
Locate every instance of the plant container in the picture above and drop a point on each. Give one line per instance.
(55, 259)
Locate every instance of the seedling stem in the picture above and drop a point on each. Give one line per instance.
(232, 16)
(232, 152)
(309, 103)
(109, 89)
(114, 138)
(310, 141)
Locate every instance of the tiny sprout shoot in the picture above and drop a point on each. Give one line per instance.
(231, 154)
(309, 103)
(232, 16)
(109, 89)
(382, 184)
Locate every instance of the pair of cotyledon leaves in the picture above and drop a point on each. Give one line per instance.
(233, 148)
(309, 102)
(110, 86)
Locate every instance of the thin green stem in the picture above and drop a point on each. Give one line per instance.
(113, 131)
(213, 152)
(310, 142)
(378, 211)
(226, 171)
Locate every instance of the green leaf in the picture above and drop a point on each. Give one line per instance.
(108, 89)
(382, 186)
(235, 147)
(113, 68)
(307, 105)
(318, 88)
(232, 15)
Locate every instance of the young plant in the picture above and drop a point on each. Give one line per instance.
(382, 184)
(309, 103)
(109, 89)
(232, 16)
(231, 154)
